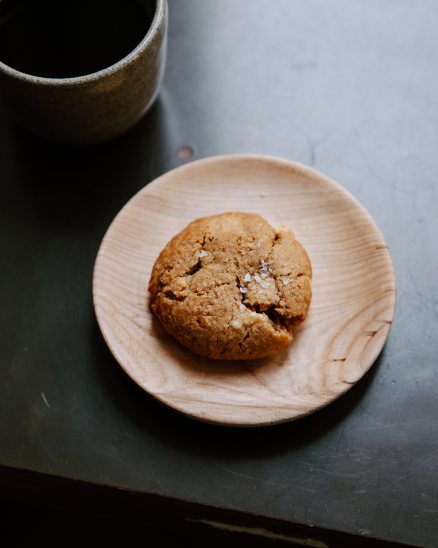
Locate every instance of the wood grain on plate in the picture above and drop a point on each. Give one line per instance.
(354, 291)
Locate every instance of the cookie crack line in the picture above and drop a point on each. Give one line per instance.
(246, 337)
(195, 268)
(243, 290)
(171, 295)
(263, 279)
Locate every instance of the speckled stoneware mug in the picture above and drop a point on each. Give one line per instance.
(81, 72)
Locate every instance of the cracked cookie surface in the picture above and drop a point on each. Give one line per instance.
(231, 286)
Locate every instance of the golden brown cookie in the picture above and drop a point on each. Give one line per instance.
(231, 286)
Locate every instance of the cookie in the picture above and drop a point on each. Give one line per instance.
(232, 286)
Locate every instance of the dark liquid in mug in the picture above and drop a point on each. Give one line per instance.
(65, 39)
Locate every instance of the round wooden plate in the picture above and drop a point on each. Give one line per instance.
(354, 291)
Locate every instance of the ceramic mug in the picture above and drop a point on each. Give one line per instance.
(81, 72)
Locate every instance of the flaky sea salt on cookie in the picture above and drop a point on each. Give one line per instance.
(231, 286)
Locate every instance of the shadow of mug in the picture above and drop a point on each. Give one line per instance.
(83, 73)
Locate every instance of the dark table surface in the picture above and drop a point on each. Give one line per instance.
(347, 86)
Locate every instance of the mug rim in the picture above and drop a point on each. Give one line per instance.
(160, 9)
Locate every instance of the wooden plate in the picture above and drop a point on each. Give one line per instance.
(354, 291)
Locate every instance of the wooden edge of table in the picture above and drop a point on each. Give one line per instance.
(160, 513)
